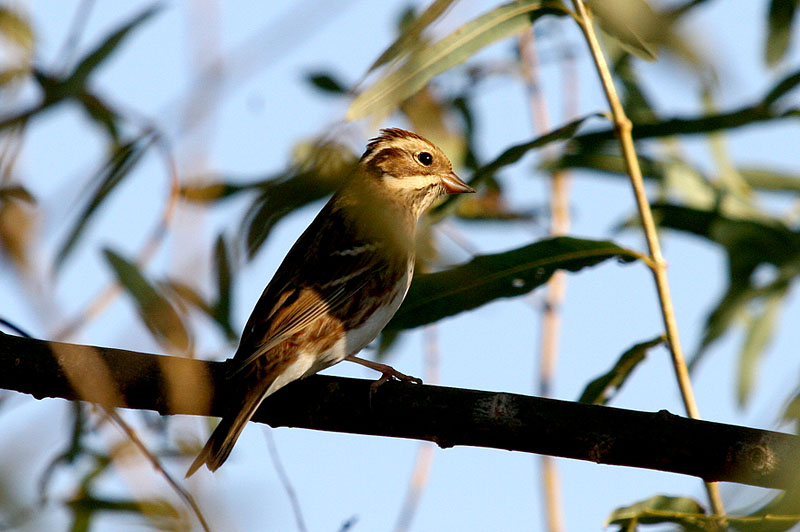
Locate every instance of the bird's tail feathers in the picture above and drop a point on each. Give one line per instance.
(220, 444)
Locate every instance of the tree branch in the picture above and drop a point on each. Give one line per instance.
(447, 416)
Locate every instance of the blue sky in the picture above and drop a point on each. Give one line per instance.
(265, 109)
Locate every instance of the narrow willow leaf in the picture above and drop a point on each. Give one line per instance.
(788, 83)
(683, 511)
(409, 38)
(602, 389)
(222, 268)
(16, 28)
(103, 51)
(486, 278)
(319, 170)
(209, 189)
(119, 165)
(762, 111)
(327, 83)
(511, 156)
(452, 50)
(759, 334)
(749, 243)
(156, 311)
(779, 514)
(771, 179)
(632, 22)
(779, 29)
(16, 192)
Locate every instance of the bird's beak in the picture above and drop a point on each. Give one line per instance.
(454, 185)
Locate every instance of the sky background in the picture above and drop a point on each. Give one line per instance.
(262, 112)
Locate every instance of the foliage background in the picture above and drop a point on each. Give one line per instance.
(243, 124)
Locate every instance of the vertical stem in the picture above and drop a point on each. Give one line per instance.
(623, 128)
(557, 285)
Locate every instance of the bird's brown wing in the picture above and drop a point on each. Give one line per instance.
(326, 268)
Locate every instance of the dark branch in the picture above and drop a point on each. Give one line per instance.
(447, 416)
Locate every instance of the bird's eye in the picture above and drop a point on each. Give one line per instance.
(425, 158)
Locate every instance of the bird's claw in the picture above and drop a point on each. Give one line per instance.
(389, 373)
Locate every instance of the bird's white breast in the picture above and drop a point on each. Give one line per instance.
(358, 338)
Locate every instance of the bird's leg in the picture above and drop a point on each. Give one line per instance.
(387, 372)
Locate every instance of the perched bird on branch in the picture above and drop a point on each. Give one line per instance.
(341, 282)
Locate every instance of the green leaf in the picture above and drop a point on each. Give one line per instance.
(16, 28)
(632, 22)
(216, 189)
(16, 192)
(120, 163)
(409, 39)
(683, 511)
(511, 156)
(487, 278)
(781, 88)
(156, 311)
(759, 334)
(770, 179)
(779, 29)
(749, 243)
(602, 389)
(454, 49)
(779, 514)
(327, 83)
(103, 51)
(762, 111)
(222, 267)
(320, 170)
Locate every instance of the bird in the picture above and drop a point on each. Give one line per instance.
(340, 283)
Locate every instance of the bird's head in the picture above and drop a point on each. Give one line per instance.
(410, 169)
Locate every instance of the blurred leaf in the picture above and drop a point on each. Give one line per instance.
(759, 334)
(409, 39)
(103, 51)
(785, 85)
(682, 511)
(637, 105)
(602, 389)
(16, 192)
(759, 112)
(489, 204)
(770, 179)
(510, 156)
(222, 267)
(101, 113)
(119, 165)
(156, 311)
(779, 29)
(16, 28)
(486, 278)
(320, 169)
(17, 223)
(73, 450)
(216, 190)
(780, 513)
(327, 83)
(632, 22)
(749, 243)
(409, 77)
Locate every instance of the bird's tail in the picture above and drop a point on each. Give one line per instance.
(220, 444)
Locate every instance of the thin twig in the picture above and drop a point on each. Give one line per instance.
(154, 461)
(623, 127)
(284, 479)
(557, 285)
(425, 451)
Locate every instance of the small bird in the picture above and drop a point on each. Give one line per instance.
(340, 283)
